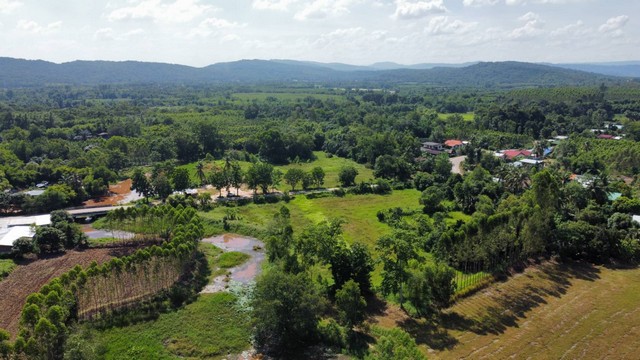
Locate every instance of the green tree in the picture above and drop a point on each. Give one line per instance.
(396, 251)
(181, 179)
(140, 183)
(49, 239)
(286, 310)
(22, 246)
(5, 345)
(317, 174)
(293, 176)
(351, 305)
(161, 185)
(431, 198)
(236, 176)
(200, 172)
(347, 175)
(394, 344)
(261, 175)
(442, 168)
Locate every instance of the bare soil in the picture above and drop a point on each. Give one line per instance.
(32, 274)
(117, 193)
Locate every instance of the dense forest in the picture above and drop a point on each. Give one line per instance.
(575, 203)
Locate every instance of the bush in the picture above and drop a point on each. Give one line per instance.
(394, 344)
(23, 246)
(339, 192)
(332, 334)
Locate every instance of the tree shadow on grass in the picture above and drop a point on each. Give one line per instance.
(510, 303)
(429, 332)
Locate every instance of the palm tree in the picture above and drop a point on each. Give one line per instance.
(201, 174)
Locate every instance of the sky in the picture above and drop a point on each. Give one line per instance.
(362, 32)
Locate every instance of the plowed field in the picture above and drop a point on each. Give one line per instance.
(30, 276)
(553, 311)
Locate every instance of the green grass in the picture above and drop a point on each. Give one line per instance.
(358, 211)
(330, 165)
(209, 328)
(102, 241)
(6, 267)
(219, 261)
(232, 259)
(469, 116)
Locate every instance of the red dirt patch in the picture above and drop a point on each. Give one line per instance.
(29, 277)
(117, 192)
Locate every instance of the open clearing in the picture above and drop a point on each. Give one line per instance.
(552, 311)
(29, 276)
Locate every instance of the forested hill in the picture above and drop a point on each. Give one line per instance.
(30, 73)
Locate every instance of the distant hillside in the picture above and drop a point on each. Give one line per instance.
(624, 68)
(31, 73)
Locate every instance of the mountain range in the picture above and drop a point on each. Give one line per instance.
(34, 73)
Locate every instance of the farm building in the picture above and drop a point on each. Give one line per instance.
(9, 235)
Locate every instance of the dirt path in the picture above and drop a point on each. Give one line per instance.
(456, 164)
(243, 273)
(29, 277)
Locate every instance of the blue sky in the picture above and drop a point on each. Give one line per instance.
(202, 32)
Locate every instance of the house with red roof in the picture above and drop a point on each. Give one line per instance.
(453, 144)
(514, 153)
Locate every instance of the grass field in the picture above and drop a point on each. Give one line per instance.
(209, 328)
(552, 311)
(359, 212)
(469, 116)
(330, 165)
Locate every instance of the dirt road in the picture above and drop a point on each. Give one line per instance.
(456, 164)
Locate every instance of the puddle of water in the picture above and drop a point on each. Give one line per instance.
(244, 273)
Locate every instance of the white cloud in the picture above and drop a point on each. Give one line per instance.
(417, 9)
(213, 26)
(532, 27)
(7, 6)
(35, 28)
(108, 34)
(104, 34)
(481, 2)
(441, 25)
(530, 16)
(577, 28)
(278, 5)
(320, 9)
(478, 3)
(179, 11)
(614, 25)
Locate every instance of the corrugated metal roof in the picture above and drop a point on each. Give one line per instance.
(15, 233)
